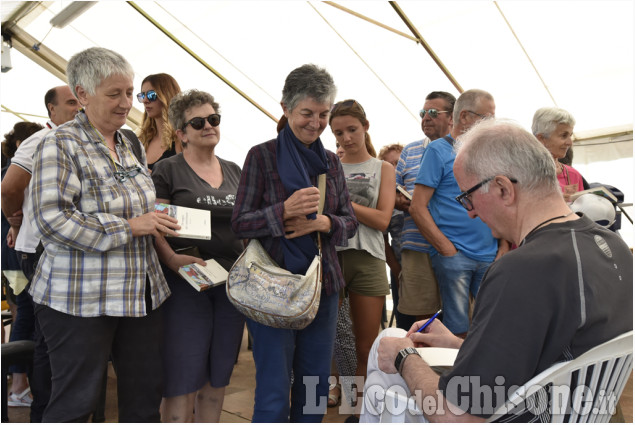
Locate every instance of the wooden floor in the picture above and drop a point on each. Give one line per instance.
(239, 398)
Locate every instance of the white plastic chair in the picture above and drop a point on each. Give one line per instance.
(558, 391)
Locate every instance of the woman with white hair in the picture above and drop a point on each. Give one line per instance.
(98, 286)
(553, 127)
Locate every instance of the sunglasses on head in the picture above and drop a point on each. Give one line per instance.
(346, 104)
(432, 113)
(151, 95)
(198, 123)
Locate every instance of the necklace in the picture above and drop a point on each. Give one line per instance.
(542, 224)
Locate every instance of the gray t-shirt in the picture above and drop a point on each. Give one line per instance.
(175, 180)
(363, 181)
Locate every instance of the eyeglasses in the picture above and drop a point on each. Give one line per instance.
(198, 123)
(151, 95)
(122, 175)
(432, 113)
(480, 115)
(467, 202)
(346, 104)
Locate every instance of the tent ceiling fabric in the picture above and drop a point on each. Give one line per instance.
(582, 50)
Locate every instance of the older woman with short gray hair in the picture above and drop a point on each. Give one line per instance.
(277, 203)
(553, 127)
(98, 286)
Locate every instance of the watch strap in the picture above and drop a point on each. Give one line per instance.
(401, 357)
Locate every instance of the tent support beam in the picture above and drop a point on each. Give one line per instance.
(425, 45)
(372, 21)
(199, 59)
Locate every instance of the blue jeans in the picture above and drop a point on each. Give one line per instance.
(308, 353)
(458, 277)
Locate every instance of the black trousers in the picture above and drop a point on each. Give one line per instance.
(79, 349)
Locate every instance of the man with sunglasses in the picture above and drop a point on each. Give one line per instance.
(567, 288)
(461, 248)
(418, 290)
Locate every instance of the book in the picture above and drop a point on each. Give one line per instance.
(600, 191)
(195, 223)
(404, 192)
(438, 356)
(204, 277)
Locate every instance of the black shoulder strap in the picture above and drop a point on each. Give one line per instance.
(449, 139)
(135, 142)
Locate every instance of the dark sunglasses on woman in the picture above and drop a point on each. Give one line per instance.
(150, 94)
(198, 123)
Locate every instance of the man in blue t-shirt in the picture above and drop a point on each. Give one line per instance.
(462, 248)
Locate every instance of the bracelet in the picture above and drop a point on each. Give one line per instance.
(167, 263)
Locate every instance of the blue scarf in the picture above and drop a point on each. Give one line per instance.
(296, 164)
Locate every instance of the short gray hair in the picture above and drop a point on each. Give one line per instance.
(468, 100)
(308, 81)
(90, 67)
(497, 146)
(547, 119)
(186, 100)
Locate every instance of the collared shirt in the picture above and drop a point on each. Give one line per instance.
(92, 265)
(23, 158)
(260, 206)
(406, 174)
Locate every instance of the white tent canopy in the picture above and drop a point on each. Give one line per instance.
(577, 55)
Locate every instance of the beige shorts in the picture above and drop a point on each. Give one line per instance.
(418, 288)
(363, 273)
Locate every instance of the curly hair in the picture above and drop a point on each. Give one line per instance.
(397, 147)
(186, 100)
(166, 88)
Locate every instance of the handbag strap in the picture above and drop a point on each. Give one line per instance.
(322, 187)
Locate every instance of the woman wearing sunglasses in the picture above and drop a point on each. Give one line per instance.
(371, 183)
(203, 330)
(157, 134)
(277, 202)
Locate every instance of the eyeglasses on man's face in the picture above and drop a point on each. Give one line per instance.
(151, 95)
(464, 199)
(480, 115)
(198, 123)
(432, 113)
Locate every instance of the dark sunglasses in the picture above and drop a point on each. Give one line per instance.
(467, 202)
(151, 95)
(198, 123)
(432, 113)
(346, 104)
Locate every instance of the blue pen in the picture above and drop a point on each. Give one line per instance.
(426, 324)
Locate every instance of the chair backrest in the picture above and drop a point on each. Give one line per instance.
(585, 389)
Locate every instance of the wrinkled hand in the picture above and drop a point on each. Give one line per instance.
(302, 202)
(179, 260)
(154, 223)
(16, 219)
(401, 202)
(435, 335)
(387, 352)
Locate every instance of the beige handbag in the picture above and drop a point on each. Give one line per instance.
(271, 295)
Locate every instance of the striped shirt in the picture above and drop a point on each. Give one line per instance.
(260, 205)
(92, 265)
(406, 173)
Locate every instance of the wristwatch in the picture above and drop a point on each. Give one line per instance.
(401, 356)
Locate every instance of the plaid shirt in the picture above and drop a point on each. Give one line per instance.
(92, 265)
(260, 204)
(406, 173)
